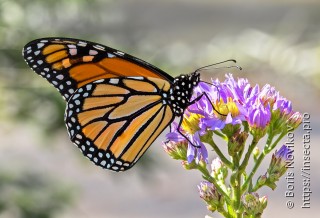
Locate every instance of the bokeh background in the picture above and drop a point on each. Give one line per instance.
(43, 175)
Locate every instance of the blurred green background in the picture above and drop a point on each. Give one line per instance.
(43, 175)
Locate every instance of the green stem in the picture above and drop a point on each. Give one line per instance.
(276, 142)
(238, 195)
(223, 136)
(223, 212)
(256, 166)
(248, 154)
(267, 150)
(219, 153)
(246, 129)
(257, 163)
(230, 211)
(235, 181)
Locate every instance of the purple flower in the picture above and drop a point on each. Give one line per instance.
(259, 116)
(240, 89)
(268, 94)
(282, 153)
(278, 164)
(221, 108)
(283, 106)
(191, 130)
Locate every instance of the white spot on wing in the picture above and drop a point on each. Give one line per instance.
(136, 77)
(82, 44)
(110, 55)
(98, 47)
(71, 46)
(40, 45)
(103, 163)
(93, 52)
(60, 77)
(114, 81)
(70, 113)
(73, 51)
(119, 53)
(99, 81)
(89, 87)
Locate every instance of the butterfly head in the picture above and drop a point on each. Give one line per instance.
(181, 91)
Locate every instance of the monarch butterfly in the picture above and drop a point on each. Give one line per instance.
(117, 104)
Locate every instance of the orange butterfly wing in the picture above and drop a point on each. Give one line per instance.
(69, 64)
(114, 121)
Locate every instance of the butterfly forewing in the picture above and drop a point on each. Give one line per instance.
(69, 64)
(114, 121)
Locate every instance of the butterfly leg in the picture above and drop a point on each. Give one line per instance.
(207, 97)
(178, 129)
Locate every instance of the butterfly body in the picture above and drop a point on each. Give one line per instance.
(117, 104)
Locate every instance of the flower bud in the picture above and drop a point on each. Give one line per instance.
(219, 170)
(176, 150)
(212, 208)
(278, 164)
(263, 202)
(256, 153)
(262, 180)
(189, 166)
(254, 205)
(237, 142)
(259, 119)
(294, 120)
(209, 194)
(280, 113)
(268, 95)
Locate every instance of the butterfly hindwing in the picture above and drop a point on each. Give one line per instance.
(69, 64)
(114, 121)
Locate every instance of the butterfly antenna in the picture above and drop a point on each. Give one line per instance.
(210, 65)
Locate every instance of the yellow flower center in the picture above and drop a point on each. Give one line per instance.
(222, 109)
(190, 124)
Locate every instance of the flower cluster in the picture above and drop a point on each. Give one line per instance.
(236, 112)
(228, 104)
(254, 205)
